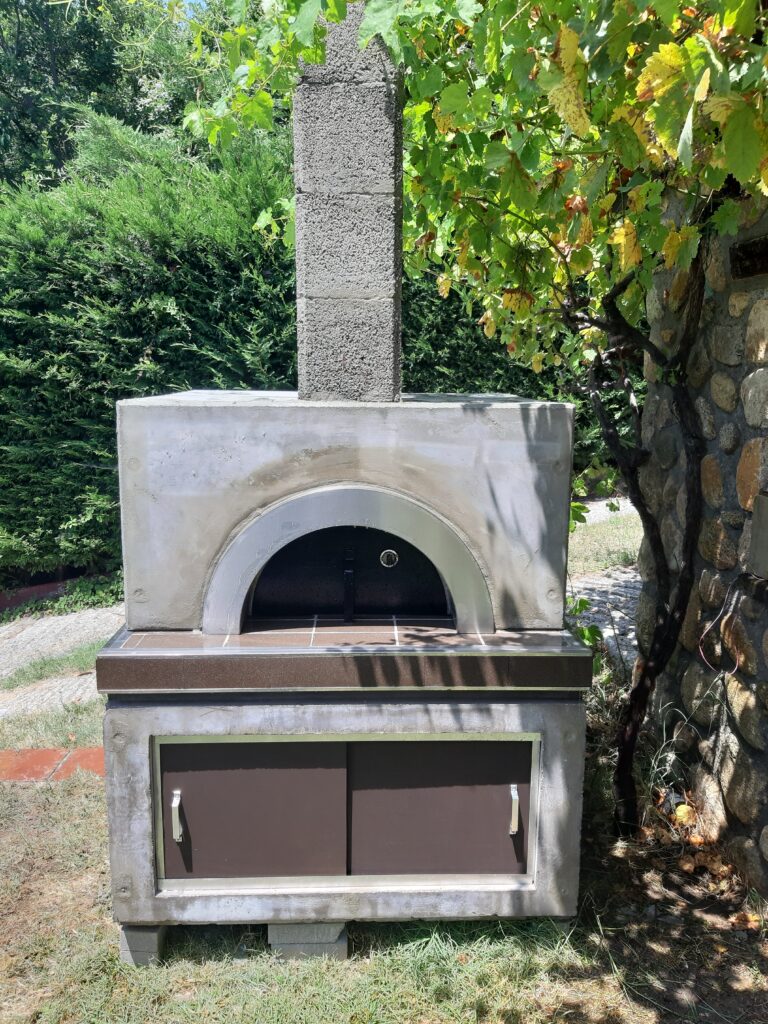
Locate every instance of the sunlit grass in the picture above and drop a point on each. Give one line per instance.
(604, 545)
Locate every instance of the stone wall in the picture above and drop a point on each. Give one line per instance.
(713, 699)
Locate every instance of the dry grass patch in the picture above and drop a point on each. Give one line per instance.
(72, 725)
(604, 545)
(58, 949)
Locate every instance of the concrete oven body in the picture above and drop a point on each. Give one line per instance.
(344, 690)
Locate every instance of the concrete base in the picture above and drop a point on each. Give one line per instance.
(555, 727)
(297, 941)
(141, 946)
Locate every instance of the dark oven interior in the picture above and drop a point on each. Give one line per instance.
(353, 574)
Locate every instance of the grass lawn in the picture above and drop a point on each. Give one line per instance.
(72, 725)
(603, 545)
(652, 942)
(81, 659)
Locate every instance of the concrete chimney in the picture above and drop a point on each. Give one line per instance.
(347, 128)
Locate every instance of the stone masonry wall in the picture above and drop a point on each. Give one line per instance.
(714, 696)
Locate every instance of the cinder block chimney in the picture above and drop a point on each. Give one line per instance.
(348, 171)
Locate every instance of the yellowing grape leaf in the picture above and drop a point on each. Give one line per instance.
(488, 323)
(586, 231)
(680, 247)
(567, 100)
(461, 257)
(703, 87)
(443, 122)
(625, 237)
(567, 49)
(443, 286)
(662, 71)
(719, 108)
(537, 362)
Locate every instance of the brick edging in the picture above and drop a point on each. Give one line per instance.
(49, 765)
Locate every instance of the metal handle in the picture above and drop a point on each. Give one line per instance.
(514, 820)
(176, 829)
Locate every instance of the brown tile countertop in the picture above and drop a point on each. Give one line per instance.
(322, 654)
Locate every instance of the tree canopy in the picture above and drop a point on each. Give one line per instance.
(556, 152)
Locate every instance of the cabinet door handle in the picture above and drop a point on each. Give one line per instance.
(514, 820)
(176, 829)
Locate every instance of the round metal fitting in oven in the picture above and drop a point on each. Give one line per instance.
(389, 558)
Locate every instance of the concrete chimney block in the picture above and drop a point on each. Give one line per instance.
(345, 61)
(349, 349)
(347, 125)
(347, 139)
(348, 246)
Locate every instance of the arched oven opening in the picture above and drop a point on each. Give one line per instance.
(350, 574)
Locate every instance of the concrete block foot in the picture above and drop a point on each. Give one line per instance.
(141, 946)
(296, 941)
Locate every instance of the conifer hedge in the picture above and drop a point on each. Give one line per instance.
(142, 274)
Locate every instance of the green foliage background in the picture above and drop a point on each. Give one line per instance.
(142, 274)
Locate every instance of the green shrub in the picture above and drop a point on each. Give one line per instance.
(148, 278)
(140, 275)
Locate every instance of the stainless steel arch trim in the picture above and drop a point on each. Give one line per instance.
(257, 541)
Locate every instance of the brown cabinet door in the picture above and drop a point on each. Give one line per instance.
(250, 810)
(438, 807)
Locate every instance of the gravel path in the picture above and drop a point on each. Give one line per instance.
(29, 639)
(48, 695)
(613, 596)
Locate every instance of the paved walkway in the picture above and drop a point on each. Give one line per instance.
(48, 694)
(613, 597)
(27, 640)
(33, 637)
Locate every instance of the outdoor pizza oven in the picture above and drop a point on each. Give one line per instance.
(344, 690)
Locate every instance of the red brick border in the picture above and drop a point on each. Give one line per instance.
(53, 764)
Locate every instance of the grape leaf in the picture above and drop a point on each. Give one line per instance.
(454, 99)
(304, 22)
(743, 146)
(662, 71)
(625, 238)
(727, 218)
(431, 83)
(496, 155)
(667, 10)
(567, 100)
(685, 145)
(236, 11)
(518, 184)
(256, 112)
(740, 16)
(379, 19)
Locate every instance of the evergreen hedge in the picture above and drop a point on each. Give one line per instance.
(142, 274)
